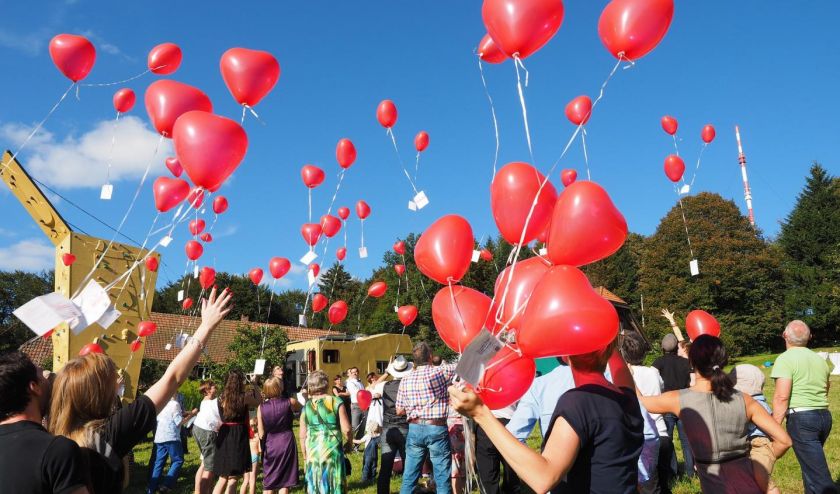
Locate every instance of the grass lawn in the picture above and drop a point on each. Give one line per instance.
(786, 473)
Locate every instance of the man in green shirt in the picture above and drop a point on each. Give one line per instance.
(802, 395)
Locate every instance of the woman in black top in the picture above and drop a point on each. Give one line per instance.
(594, 439)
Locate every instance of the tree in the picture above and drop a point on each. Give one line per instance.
(17, 288)
(337, 284)
(619, 273)
(250, 344)
(740, 280)
(810, 241)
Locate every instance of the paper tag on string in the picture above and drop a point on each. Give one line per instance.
(181, 340)
(694, 266)
(109, 317)
(412, 206)
(92, 302)
(106, 192)
(168, 347)
(310, 276)
(259, 367)
(309, 257)
(301, 320)
(180, 295)
(420, 200)
(396, 308)
(362, 252)
(165, 241)
(42, 314)
(203, 210)
(685, 189)
(473, 361)
(543, 251)
(476, 255)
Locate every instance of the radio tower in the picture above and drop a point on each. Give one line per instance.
(742, 160)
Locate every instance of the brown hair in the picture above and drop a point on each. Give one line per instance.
(272, 388)
(594, 361)
(232, 401)
(83, 396)
(206, 386)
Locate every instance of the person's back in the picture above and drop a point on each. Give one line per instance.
(809, 374)
(675, 371)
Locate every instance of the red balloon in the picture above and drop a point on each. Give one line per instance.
(341, 253)
(708, 133)
(169, 192)
(579, 110)
(345, 153)
(311, 175)
(486, 255)
(337, 312)
(167, 100)
(526, 275)
(674, 167)
(364, 399)
(311, 233)
(377, 289)
(73, 55)
(362, 209)
(630, 29)
(421, 141)
(207, 277)
(152, 263)
(699, 322)
(407, 314)
(124, 100)
(278, 267)
(146, 328)
(194, 250)
(565, 316)
(196, 197)
(315, 268)
(136, 345)
(489, 52)
(521, 27)
(459, 313)
(319, 302)
(249, 74)
(585, 226)
(174, 166)
(197, 226)
(400, 269)
(90, 348)
(343, 212)
(507, 378)
(256, 275)
(669, 124)
(386, 113)
(210, 147)
(220, 204)
(568, 177)
(399, 247)
(68, 259)
(330, 225)
(444, 251)
(164, 59)
(187, 303)
(206, 237)
(512, 195)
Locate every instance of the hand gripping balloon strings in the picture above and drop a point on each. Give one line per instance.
(493, 113)
(390, 133)
(517, 63)
(697, 168)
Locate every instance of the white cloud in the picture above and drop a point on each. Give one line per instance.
(27, 255)
(81, 161)
(227, 231)
(103, 45)
(30, 44)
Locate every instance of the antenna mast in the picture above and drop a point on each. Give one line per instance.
(742, 160)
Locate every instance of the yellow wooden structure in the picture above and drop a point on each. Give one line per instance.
(336, 354)
(135, 302)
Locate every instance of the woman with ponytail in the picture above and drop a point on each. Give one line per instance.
(716, 419)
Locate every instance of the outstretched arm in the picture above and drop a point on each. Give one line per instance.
(674, 327)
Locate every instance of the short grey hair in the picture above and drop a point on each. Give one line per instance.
(797, 333)
(317, 382)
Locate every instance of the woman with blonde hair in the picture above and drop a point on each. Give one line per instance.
(324, 432)
(274, 427)
(85, 399)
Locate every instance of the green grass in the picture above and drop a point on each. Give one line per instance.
(786, 473)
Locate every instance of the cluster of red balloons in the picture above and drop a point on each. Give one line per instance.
(674, 165)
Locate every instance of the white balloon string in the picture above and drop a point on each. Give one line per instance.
(270, 300)
(493, 113)
(111, 149)
(344, 227)
(359, 319)
(309, 194)
(458, 311)
(105, 84)
(585, 153)
(390, 133)
(416, 166)
(399, 282)
(143, 246)
(242, 119)
(685, 223)
(697, 168)
(259, 310)
(676, 148)
(363, 232)
(407, 286)
(517, 63)
(337, 187)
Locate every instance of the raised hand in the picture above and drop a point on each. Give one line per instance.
(669, 316)
(214, 308)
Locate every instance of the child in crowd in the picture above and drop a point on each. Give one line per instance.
(249, 480)
(371, 442)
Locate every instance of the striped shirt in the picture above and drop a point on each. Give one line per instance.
(423, 392)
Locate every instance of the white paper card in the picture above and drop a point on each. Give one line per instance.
(301, 320)
(180, 295)
(109, 317)
(92, 302)
(362, 252)
(543, 251)
(309, 257)
(310, 277)
(412, 206)
(476, 255)
(685, 189)
(181, 340)
(106, 192)
(420, 200)
(165, 241)
(396, 308)
(694, 266)
(168, 347)
(195, 271)
(475, 357)
(259, 367)
(42, 314)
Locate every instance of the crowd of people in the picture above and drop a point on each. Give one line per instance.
(606, 420)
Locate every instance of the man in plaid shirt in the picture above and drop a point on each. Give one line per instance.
(424, 399)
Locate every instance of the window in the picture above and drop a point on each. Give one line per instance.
(331, 356)
(381, 365)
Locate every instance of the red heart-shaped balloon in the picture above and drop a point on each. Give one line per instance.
(386, 113)
(343, 212)
(311, 233)
(526, 275)
(319, 302)
(407, 314)
(585, 226)
(399, 247)
(152, 263)
(507, 378)
(362, 209)
(345, 153)
(565, 316)
(207, 277)
(174, 166)
(708, 133)
(169, 192)
(193, 250)
(164, 58)
(206, 237)
(377, 289)
(146, 328)
(197, 226)
(136, 345)
(315, 268)
(311, 175)
(167, 100)
(220, 204)
(521, 27)
(73, 55)
(669, 124)
(187, 303)
(330, 225)
(124, 100)
(568, 177)
(700, 322)
(632, 28)
(256, 275)
(400, 269)
(486, 255)
(337, 312)
(210, 147)
(459, 313)
(90, 348)
(444, 251)
(341, 253)
(278, 267)
(579, 110)
(512, 196)
(249, 74)
(364, 399)
(196, 197)
(674, 168)
(68, 259)
(421, 141)
(488, 51)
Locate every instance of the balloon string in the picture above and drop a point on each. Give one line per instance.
(585, 154)
(493, 113)
(517, 63)
(270, 300)
(697, 168)
(416, 166)
(458, 310)
(309, 193)
(104, 84)
(258, 303)
(363, 231)
(337, 187)
(399, 282)
(111, 149)
(143, 246)
(399, 156)
(685, 223)
(359, 320)
(407, 286)
(676, 148)
(345, 233)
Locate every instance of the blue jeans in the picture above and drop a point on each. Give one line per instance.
(670, 421)
(435, 440)
(173, 450)
(371, 455)
(809, 431)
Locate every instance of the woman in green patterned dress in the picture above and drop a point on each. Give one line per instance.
(324, 430)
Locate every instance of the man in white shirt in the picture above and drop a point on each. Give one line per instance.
(204, 429)
(357, 415)
(168, 444)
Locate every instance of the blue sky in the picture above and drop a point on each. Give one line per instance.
(769, 67)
